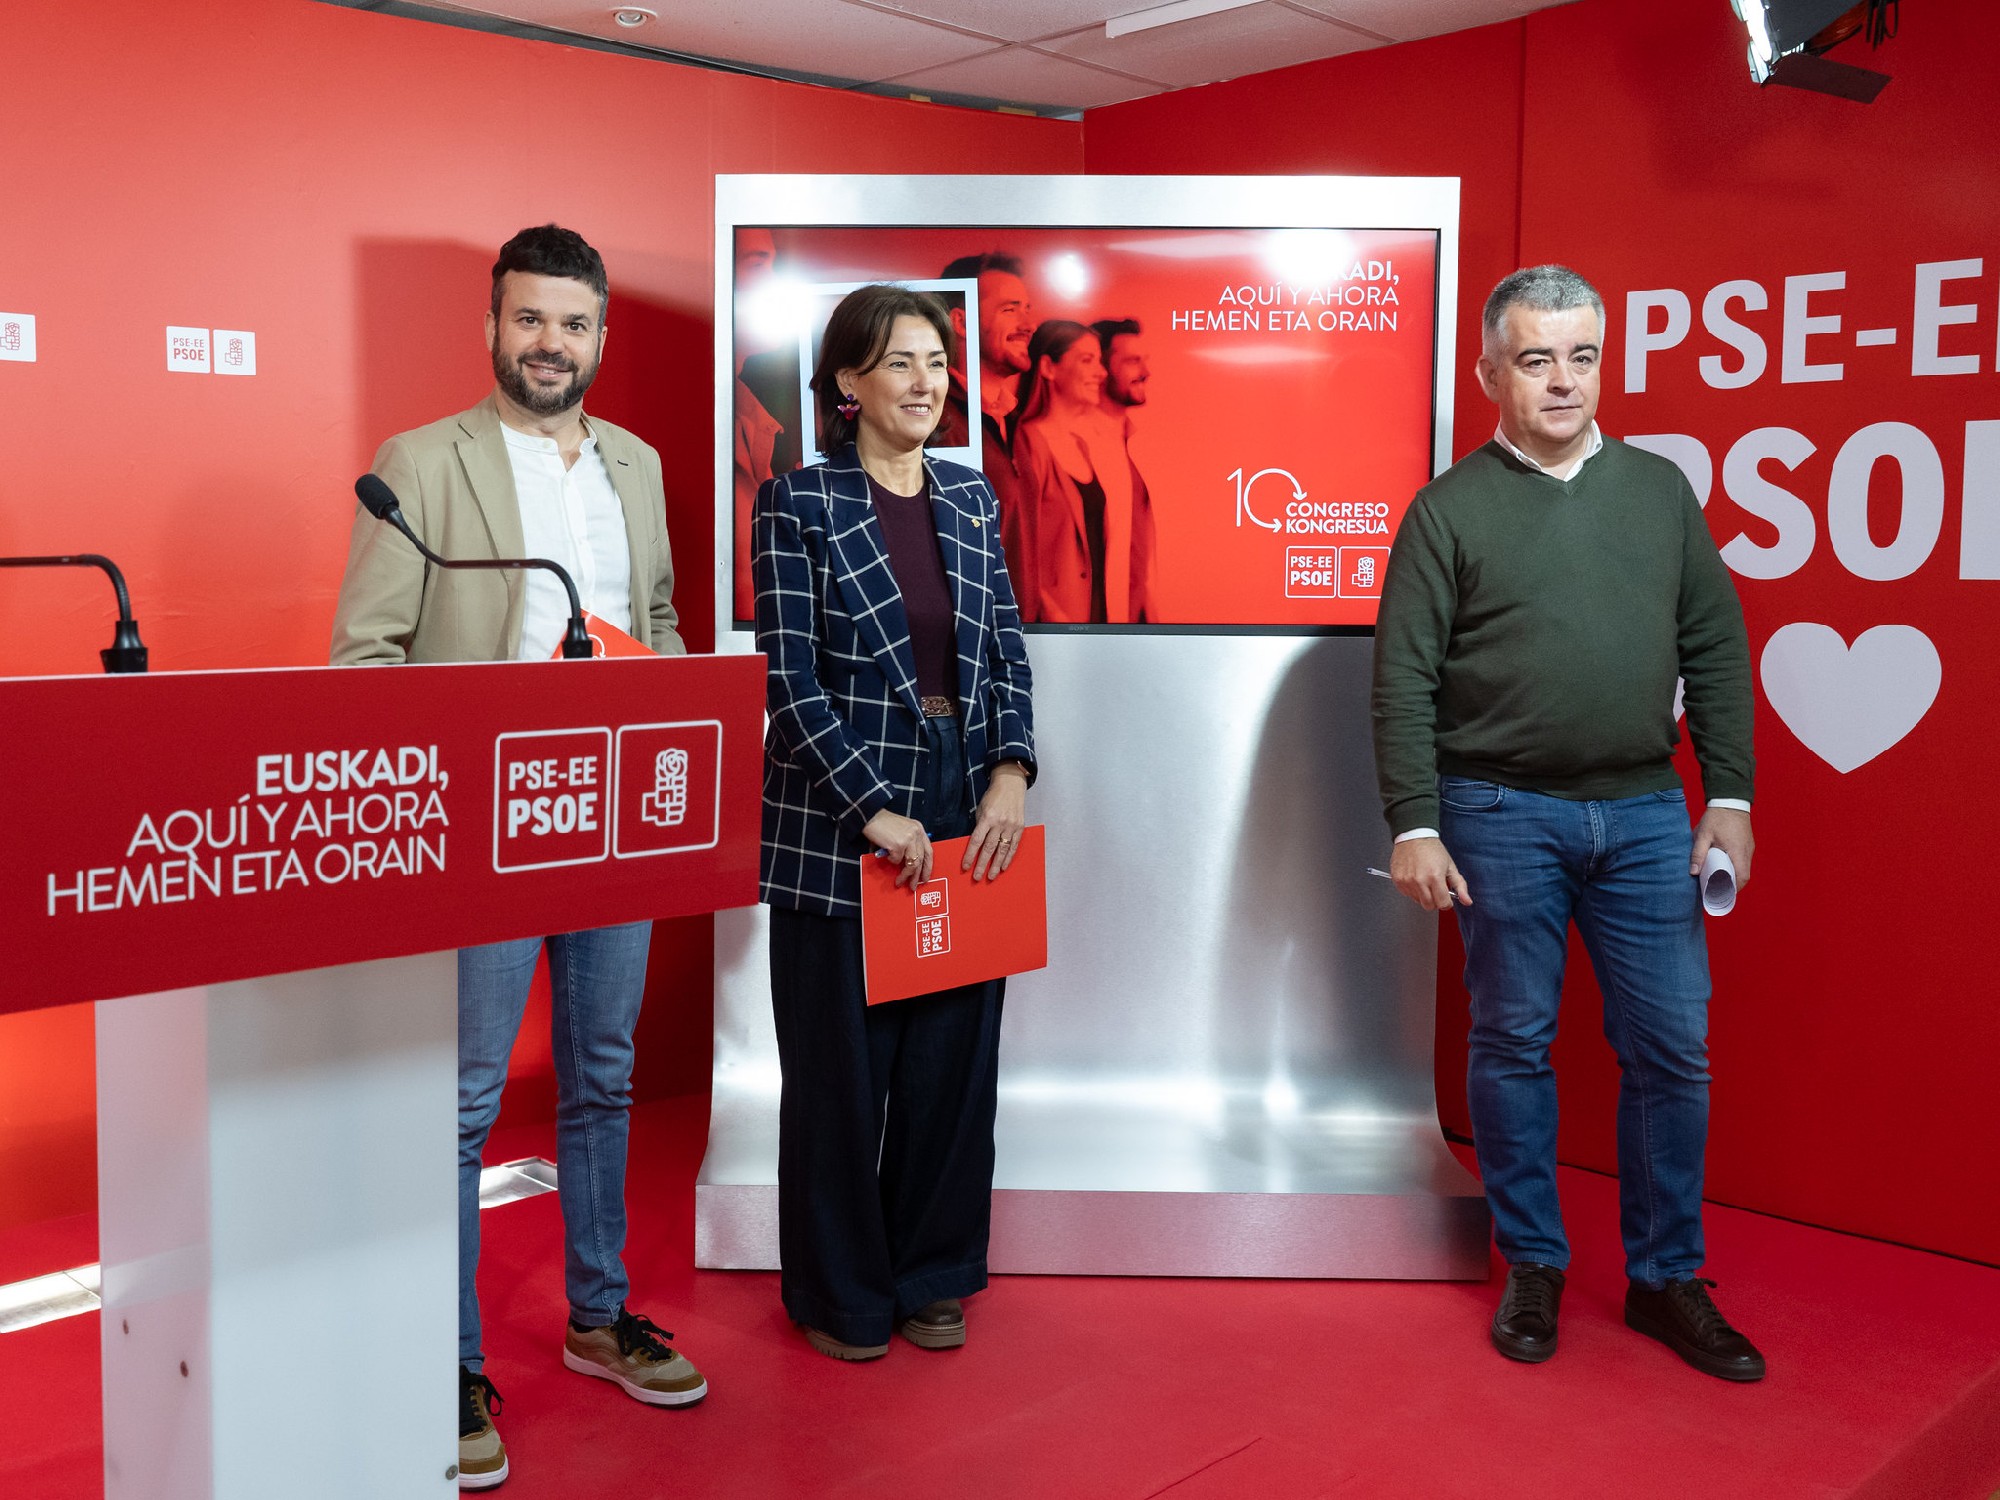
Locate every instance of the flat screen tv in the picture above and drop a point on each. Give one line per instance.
(1226, 421)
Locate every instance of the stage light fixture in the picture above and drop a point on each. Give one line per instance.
(1787, 38)
(1762, 53)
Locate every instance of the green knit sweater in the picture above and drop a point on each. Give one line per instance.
(1532, 628)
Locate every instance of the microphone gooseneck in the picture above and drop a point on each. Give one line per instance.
(380, 502)
(126, 653)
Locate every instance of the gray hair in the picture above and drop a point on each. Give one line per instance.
(1539, 289)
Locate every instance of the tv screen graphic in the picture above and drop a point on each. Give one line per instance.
(1186, 428)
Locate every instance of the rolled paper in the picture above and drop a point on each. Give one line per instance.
(1718, 883)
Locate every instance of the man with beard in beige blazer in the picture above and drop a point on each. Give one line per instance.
(456, 487)
(526, 474)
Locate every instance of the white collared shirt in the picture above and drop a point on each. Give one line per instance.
(1567, 472)
(570, 516)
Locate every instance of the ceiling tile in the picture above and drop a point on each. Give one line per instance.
(818, 37)
(1022, 76)
(1406, 20)
(911, 43)
(1017, 20)
(1228, 44)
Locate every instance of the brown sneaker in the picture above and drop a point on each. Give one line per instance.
(482, 1457)
(633, 1352)
(833, 1348)
(940, 1325)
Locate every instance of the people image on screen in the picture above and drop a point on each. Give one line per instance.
(1006, 321)
(1126, 379)
(755, 430)
(952, 430)
(898, 696)
(1077, 475)
(768, 370)
(1126, 371)
(527, 473)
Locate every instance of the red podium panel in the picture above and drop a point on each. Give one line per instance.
(197, 827)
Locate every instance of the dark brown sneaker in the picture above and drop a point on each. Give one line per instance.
(1524, 1325)
(834, 1348)
(634, 1353)
(1684, 1317)
(482, 1457)
(940, 1325)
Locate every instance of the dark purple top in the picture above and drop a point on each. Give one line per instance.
(910, 534)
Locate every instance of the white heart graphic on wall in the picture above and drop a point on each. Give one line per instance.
(1847, 704)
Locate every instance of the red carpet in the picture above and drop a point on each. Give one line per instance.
(1886, 1380)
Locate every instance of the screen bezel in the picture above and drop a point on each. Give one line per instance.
(973, 202)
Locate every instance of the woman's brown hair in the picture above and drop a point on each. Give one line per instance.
(856, 338)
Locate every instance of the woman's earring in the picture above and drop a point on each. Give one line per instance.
(849, 407)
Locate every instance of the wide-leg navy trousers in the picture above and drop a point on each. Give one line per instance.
(885, 1126)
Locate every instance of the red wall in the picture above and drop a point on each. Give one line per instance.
(1854, 1030)
(337, 182)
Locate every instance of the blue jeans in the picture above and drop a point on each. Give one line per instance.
(1619, 870)
(596, 980)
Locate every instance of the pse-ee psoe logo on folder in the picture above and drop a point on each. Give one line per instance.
(953, 930)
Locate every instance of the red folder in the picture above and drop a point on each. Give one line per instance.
(607, 639)
(952, 930)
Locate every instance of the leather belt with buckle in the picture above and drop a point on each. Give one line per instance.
(938, 708)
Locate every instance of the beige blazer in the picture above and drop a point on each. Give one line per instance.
(456, 487)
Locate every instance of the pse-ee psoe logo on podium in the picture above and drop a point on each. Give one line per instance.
(580, 796)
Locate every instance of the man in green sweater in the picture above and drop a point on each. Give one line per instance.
(1542, 597)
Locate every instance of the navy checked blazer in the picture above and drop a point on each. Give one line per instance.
(846, 730)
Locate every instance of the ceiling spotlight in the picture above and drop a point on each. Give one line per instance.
(1787, 38)
(632, 15)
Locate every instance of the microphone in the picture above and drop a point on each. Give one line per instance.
(126, 653)
(380, 502)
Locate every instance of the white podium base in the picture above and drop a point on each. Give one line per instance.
(277, 1199)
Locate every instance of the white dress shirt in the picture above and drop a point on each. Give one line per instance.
(1568, 471)
(1565, 472)
(570, 516)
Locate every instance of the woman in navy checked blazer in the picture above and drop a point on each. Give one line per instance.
(899, 713)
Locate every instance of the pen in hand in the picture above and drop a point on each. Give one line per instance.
(1387, 876)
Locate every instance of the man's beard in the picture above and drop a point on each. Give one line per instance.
(1125, 395)
(1010, 356)
(543, 401)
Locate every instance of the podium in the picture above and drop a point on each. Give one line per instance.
(260, 878)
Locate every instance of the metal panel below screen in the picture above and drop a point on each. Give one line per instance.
(1226, 1069)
